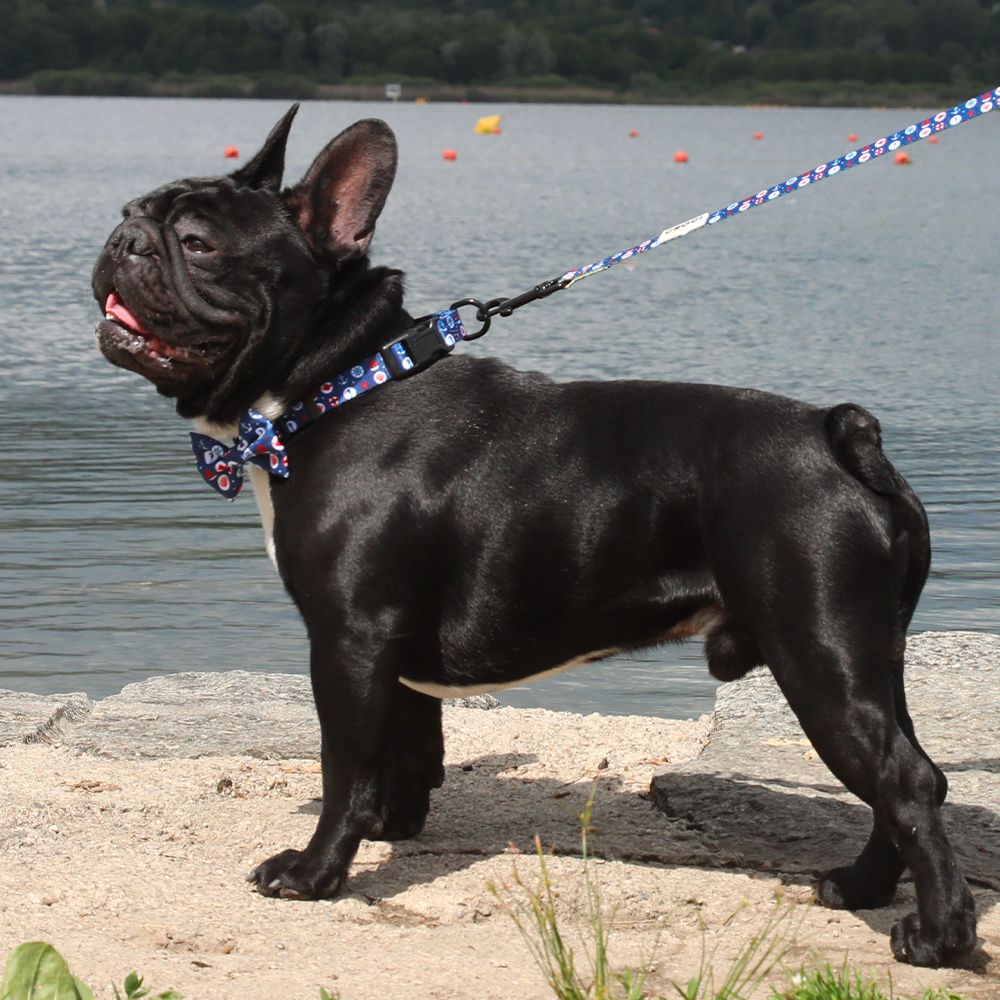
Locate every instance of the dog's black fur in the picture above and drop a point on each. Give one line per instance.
(477, 525)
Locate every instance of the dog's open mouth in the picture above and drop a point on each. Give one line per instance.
(126, 341)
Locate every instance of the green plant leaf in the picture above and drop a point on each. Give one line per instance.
(36, 971)
(83, 990)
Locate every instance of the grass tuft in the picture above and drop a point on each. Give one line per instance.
(747, 973)
(534, 912)
(537, 912)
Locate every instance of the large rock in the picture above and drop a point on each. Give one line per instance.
(238, 712)
(761, 798)
(202, 715)
(37, 718)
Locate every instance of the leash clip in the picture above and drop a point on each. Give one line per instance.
(485, 311)
(504, 307)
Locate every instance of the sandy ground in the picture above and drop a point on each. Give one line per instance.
(139, 865)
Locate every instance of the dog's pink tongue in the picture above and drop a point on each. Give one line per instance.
(116, 308)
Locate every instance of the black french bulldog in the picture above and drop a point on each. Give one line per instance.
(475, 526)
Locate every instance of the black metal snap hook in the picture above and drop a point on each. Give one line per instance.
(485, 311)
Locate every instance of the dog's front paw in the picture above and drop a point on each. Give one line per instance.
(294, 875)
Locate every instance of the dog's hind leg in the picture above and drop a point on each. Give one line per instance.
(870, 881)
(413, 764)
(838, 682)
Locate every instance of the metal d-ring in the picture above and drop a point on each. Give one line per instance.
(483, 315)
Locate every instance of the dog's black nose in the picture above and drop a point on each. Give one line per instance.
(135, 239)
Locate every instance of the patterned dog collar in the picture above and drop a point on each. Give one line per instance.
(261, 441)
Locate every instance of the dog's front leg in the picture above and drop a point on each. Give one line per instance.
(412, 764)
(353, 692)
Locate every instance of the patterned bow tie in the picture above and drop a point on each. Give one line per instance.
(222, 465)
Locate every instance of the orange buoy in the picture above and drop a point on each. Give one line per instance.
(449, 154)
(231, 152)
(758, 135)
(903, 158)
(680, 156)
(933, 139)
(633, 133)
(853, 137)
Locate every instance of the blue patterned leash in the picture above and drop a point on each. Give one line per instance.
(974, 107)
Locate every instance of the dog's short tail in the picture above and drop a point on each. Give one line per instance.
(856, 439)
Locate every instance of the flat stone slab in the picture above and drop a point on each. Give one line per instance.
(760, 797)
(34, 718)
(239, 712)
(236, 713)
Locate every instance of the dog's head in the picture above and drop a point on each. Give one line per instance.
(209, 282)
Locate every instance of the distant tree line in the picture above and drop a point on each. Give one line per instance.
(620, 44)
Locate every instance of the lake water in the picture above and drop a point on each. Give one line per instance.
(879, 286)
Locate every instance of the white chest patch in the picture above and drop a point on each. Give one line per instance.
(261, 483)
(259, 479)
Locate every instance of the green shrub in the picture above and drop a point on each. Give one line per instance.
(278, 85)
(90, 83)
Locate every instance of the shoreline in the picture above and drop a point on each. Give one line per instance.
(127, 823)
(783, 94)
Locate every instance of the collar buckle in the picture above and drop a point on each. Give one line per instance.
(421, 345)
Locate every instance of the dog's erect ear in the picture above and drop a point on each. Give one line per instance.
(265, 169)
(340, 197)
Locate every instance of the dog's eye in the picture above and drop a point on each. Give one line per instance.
(196, 244)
